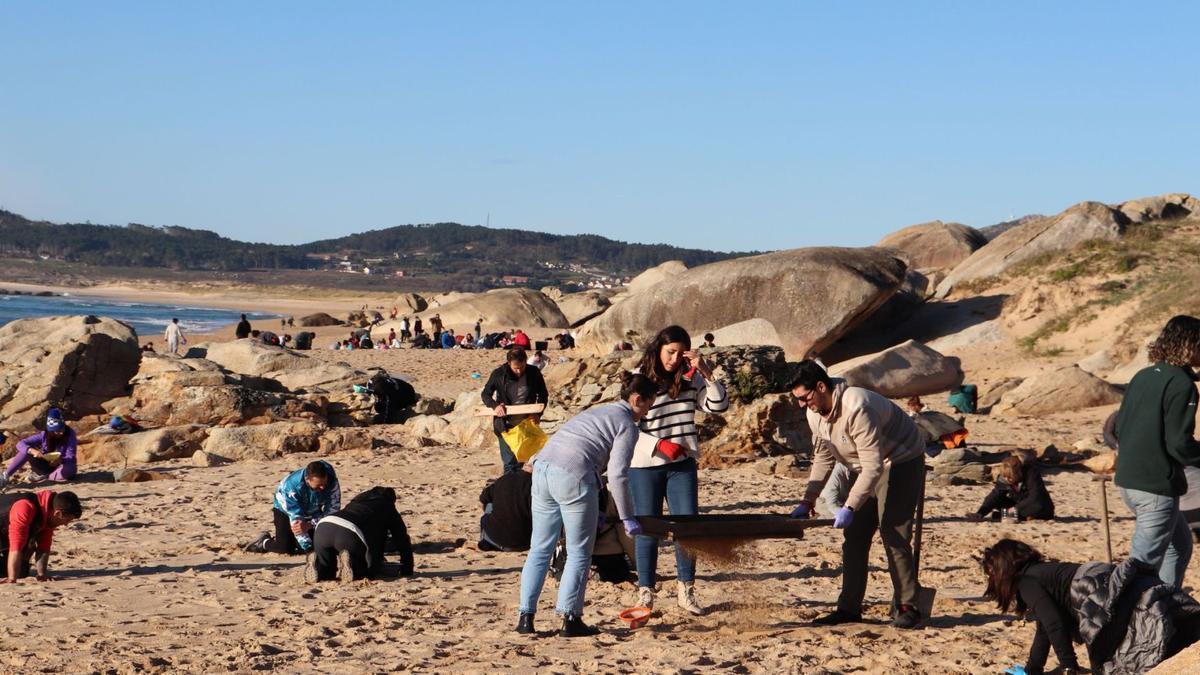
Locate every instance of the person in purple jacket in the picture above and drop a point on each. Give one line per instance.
(57, 437)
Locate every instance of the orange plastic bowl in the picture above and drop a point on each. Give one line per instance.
(636, 617)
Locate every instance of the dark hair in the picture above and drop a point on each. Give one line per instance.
(316, 469)
(808, 374)
(255, 332)
(68, 503)
(174, 320)
(651, 364)
(637, 383)
(516, 354)
(1012, 469)
(1179, 343)
(708, 337)
(243, 317)
(1003, 563)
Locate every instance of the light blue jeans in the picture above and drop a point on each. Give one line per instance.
(561, 500)
(1161, 537)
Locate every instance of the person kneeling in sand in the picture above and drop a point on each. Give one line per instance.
(1019, 485)
(27, 524)
(50, 453)
(302, 499)
(361, 530)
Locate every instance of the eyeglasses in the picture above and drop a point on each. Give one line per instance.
(806, 398)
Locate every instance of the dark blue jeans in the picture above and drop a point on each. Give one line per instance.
(676, 482)
(507, 457)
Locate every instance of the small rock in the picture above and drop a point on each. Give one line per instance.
(1105, 462)
(205, 459)
(765, 467)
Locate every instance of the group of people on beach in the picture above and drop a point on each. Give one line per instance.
(642, 451)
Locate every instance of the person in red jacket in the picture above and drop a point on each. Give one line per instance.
(520, 339)
(27, 524)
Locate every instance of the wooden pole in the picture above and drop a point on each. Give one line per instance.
(1102, 481)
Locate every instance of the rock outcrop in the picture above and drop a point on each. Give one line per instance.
(655, 275)
(1068, 388)
(579, 307)
(319, 319)
(297, 373)
(503, 308)
(1082, 222)
(263, 441)
(410, 303)
(811, 297)
(908, 369)
(150, 445)
(935, 245)
(1162, 207)
(74, 362)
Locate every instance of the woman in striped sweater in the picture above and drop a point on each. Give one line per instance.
(664, 462)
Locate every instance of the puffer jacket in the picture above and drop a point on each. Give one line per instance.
(1126, 615)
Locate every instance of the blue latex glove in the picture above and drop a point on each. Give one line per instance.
(803, 511)
(1015, 670)
(844, 517)
(632, 526)
(601, 521)
(933, 450)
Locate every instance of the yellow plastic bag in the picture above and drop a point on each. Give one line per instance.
(525, 439)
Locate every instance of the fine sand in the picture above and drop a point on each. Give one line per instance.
(154, 579)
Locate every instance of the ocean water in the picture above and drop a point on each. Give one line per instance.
(148, 319)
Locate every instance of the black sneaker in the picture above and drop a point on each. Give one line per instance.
(525, 624)
(907, 617)
(574, 626)
(259, 545)
(837, 617)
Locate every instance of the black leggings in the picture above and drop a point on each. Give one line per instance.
(328, 541)
(284, 540)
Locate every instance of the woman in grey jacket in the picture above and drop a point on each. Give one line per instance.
(566, 496)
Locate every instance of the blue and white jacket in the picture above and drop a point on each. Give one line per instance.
(300, 502)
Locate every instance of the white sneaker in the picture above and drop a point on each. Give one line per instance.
(687, 597)
(645, 597)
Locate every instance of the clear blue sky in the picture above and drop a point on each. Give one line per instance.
(709, 124)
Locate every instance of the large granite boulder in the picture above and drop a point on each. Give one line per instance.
(74, 362)
(264, 441)
(811, 297)
(1162, 207)
(1060, 390)
(502, 308)
(410, 303)
(150, 445)
(579, 307)
(318, 320)
(908, 369)
(655, 275)
(771, 425)
(1082, 222)
(935, 245)
(295, 372)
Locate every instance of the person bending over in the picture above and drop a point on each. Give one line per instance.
(36, 450)
(1128, 619)
(1018, 486)
(361, 530)
(303, 498)
(27, 524)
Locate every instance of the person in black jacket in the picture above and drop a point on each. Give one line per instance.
(243, 328)
(361, 529)
(513, 383)
(507, 520)
(1020, 486)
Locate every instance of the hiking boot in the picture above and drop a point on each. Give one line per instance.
(525, 624)
(645, 597)
(907, 617)
(259, 545)
(35, 478)
(574, 626)
(686, 590)
(837, 617)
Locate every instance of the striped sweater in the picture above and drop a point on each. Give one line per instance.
(675, 420)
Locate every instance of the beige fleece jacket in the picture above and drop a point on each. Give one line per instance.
(862, 430)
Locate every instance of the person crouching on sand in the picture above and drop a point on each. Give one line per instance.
(303, 498)
(566, 496)
(1020, 486)
(361, 531)
(27, 524)
(57, 438)
(873, 436)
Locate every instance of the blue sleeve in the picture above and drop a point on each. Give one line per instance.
(335, 498)
(287, 498)
(618, 468)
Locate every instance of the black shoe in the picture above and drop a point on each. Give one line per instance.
(259, 545)
(525, 624)
(907, 617)
(837, 617)
(574, 626)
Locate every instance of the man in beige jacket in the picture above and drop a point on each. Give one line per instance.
(883, 447)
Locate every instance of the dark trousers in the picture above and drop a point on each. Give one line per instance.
(328, 541)
(284, 540)
(507, 457)
(890, 511)
(676, 483)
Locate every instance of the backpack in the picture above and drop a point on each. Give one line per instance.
(965, 399)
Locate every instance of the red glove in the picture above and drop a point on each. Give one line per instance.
(672, 451)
